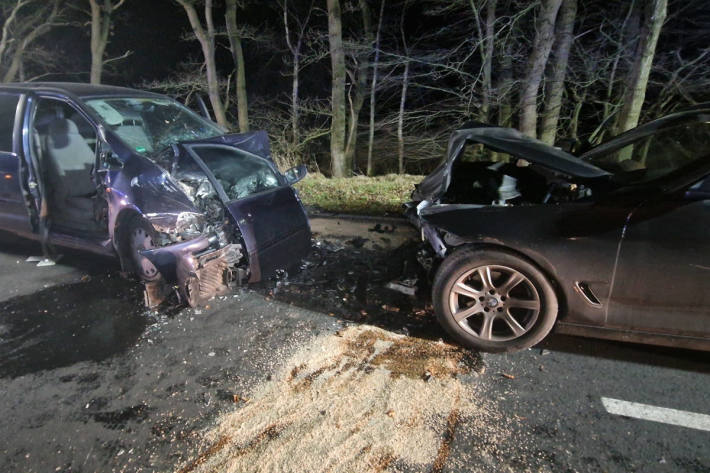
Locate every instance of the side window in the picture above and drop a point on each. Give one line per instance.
(8, 109)
(660, 153)
(55, 121)
(240, 174)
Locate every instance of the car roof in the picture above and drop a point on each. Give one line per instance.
(81, 90)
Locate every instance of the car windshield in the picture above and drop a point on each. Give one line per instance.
(656, 155)
(148, 125)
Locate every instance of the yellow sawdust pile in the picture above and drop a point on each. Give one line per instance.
(362, 400)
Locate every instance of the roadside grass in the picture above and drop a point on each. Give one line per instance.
(380, 195)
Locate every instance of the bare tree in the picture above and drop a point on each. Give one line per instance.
(295, 46)
(205, 34)
(101, 23)
(340, 166)
(402, 97)
(358, 80)
(555, 86)
(542, 44)
(637, 78)
(373, 88)
(487, 35)
(235, 46)
(24, 22)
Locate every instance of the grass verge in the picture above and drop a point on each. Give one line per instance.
(380, 195)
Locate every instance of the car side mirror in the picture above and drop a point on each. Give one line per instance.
(295, 174)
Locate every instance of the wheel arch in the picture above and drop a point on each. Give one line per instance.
(119, 235)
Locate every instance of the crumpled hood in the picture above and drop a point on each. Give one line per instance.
(506, 140)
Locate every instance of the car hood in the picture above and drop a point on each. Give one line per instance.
(506, 140)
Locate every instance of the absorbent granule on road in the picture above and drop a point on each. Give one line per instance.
(360, 400)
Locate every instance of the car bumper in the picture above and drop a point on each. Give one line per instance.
(200, 269)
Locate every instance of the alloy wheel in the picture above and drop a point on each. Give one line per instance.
(494, 303)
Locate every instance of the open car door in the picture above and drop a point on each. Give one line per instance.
(259, 199)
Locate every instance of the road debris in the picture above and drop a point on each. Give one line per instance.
(344, 280)
(353, 403)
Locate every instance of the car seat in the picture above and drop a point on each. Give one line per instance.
(69, 160)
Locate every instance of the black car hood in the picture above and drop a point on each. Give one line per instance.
(506, 140)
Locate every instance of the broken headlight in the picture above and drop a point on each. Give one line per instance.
(189, 224)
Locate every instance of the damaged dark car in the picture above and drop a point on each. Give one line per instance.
(522, 237)
(133, 174)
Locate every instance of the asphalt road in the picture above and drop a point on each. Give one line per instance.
(91, 381)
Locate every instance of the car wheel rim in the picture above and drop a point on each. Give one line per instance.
(494, 303)
(141, 240)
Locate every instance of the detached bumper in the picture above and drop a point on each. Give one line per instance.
(198, 268)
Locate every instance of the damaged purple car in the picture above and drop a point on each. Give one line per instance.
(137, 175)
(523, 237)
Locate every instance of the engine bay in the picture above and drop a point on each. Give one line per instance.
(514, 182)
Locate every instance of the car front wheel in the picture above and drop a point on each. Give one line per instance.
(493, 301)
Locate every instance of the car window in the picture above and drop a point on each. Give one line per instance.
(240, 174)
(8, 108)
(60, 120)
(659, 154)
(148, 125)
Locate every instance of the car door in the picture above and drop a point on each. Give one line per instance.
(662, 278)
(266, 209)
(14, 214)
(63, 144)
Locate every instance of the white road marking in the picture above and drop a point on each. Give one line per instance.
(691, 420)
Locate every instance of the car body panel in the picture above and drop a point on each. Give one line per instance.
(274, 225)
(662, 280)
(548, 236)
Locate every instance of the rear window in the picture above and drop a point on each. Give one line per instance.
(8, 108)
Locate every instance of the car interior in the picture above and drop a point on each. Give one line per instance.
(64, 146)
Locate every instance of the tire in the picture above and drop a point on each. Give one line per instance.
(509, 306)
(139, 235)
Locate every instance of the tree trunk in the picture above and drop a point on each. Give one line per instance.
(574, 121)
(375, 66)
(206, 40)
(637, 78)
(400, 119)
(359, 85)
(487, 56)
(100, 29)
(340, 167)
(294, 97)
(505, 86)
(563, 43)
(544, 37)
(235, 45)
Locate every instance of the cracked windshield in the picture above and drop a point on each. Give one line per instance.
(149, 125)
